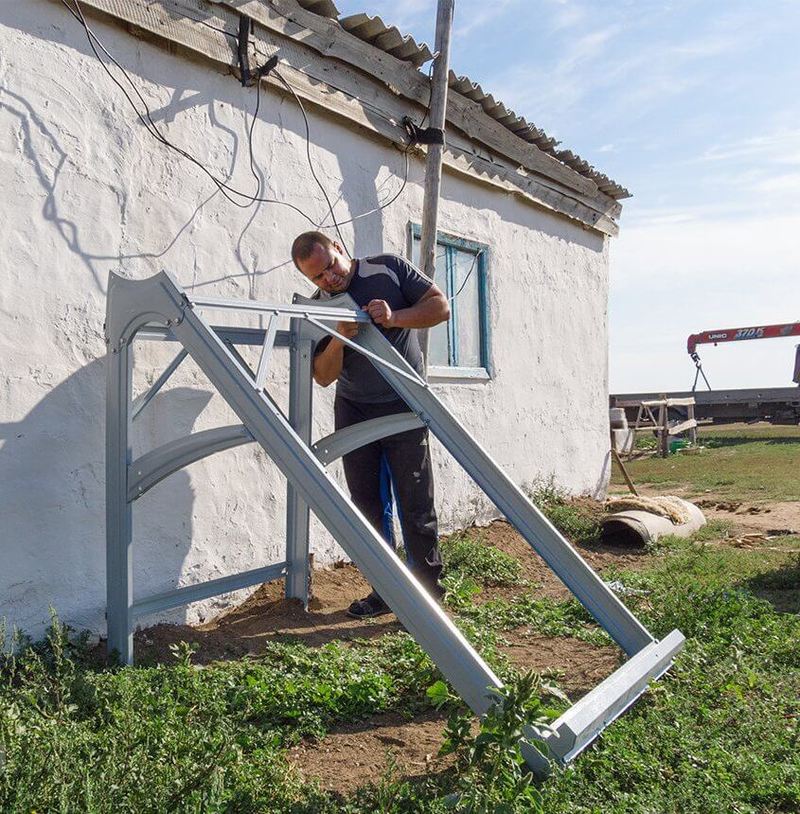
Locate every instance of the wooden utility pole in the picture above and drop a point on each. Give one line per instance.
(433, 164)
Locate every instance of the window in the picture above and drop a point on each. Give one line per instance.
(459, 348)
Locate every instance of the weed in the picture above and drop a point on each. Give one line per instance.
(492, 774)
(459, 590)
(468, 556)
(548, 617)
(580, 522)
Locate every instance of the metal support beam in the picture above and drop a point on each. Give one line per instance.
(373, 357)
(587, 718)
(320, 311)
(266, 352)
(300, 411)
(235, 335)
(119, 518)
(140, 403)
(203, 590)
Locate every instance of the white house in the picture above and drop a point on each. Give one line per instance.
(88, 189)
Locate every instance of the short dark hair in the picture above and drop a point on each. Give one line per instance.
(304, 244)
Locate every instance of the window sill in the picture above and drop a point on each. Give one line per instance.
(458, 375)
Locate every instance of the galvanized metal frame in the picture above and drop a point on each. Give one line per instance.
(157, 308)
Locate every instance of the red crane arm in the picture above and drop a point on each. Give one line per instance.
(737, 334)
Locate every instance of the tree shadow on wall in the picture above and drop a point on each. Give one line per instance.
(52, 505)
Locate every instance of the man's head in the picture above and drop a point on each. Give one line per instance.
(322, 261)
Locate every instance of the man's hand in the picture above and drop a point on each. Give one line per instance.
(380, 313)
(347, 329)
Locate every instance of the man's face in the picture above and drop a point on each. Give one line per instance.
(327, 268)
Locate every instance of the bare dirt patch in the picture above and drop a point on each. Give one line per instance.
(774, 519)
(577, 665)
(535, 571)
(359, 753)
(267, 615)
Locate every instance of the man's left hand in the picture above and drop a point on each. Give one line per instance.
(380, 313)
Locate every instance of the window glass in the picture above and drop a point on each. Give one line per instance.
(467, 311)
(460, 273)
(439, 341)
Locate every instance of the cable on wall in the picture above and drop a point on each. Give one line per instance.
(229, 192)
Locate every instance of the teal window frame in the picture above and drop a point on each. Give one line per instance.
(452, 244)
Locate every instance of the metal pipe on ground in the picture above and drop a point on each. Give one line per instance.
(638, 527)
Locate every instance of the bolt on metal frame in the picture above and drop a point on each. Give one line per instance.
(158, 309)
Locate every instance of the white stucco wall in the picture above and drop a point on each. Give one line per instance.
(85, 190)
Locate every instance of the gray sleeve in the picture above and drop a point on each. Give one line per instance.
(413, 283)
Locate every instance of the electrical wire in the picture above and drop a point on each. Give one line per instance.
(146, 119)
(471, 268)
(314, 175)
(250, 138)
(224, 188)
(406, 152)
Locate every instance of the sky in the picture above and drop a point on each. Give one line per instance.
(692, 105)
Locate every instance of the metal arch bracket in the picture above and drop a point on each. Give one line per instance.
(287, 441)
(132, 304)
(339, 443)
(152, 467)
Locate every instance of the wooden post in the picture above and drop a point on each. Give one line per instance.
(628, 481)
(692, 430)
(433, 164)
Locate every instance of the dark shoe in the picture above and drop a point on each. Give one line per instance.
(368, 607)
(437, 592)
(434, 589)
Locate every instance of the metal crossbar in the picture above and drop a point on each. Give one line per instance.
(313, 308)
(159, 309)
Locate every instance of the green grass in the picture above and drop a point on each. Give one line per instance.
(758, 462)
(467, 554)
(720, 733)
(578, 521)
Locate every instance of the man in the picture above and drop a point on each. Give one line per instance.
(398, 298)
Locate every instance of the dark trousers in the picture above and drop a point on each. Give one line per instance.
(409, 459)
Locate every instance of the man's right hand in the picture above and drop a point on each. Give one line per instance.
(347, 329)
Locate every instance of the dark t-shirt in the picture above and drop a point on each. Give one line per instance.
(383, 277)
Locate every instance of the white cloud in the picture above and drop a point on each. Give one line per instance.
(566, 15)
(787, 182)
(782, 145)
(473, 19)
(673, 279)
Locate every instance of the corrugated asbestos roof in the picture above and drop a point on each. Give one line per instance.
(403, 46)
